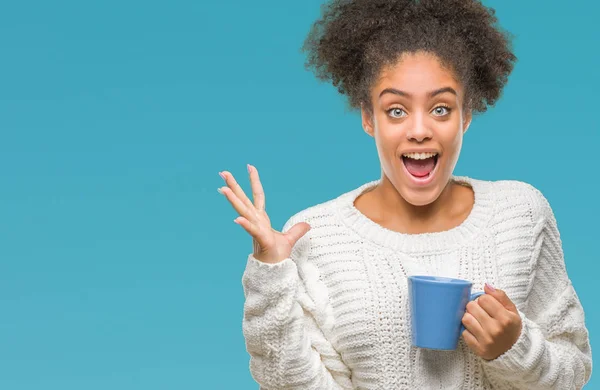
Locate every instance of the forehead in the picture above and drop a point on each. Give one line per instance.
(417, 73)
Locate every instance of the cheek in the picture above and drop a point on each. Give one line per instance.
(457, 141)
(452, 137)
(389, 137)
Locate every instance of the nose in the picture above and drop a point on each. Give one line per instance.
(419, 131)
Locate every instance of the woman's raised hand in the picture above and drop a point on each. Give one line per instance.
(270, 246)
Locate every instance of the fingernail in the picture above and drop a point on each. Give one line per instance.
(490, 287)
(220, 190)
(222, 175)
(249, 170)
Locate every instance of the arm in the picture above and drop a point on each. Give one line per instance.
(553, 349)
(284, 316)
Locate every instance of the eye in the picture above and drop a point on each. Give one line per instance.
(441, 110)
(401, 113)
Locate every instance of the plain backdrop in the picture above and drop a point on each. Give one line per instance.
(120, 264)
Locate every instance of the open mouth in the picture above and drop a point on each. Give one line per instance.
(420, 165)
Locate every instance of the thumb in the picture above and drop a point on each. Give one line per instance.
(296, 232)
(501, 297)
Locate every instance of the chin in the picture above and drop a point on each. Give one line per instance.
(420, 197)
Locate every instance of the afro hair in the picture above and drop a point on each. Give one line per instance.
(353, 40)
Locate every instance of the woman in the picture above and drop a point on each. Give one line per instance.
(326, 298)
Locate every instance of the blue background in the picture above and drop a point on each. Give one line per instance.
(120, 266)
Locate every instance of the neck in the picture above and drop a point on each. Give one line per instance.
(399, 212)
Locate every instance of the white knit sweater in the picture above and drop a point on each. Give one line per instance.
(335, 315)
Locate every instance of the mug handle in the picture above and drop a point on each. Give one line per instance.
(474, 296)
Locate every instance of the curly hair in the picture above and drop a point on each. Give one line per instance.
(355, 39)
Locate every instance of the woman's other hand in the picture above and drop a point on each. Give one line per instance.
(270, 246)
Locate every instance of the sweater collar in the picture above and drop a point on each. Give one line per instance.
(423, 242)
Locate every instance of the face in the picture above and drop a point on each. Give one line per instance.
(418, 124)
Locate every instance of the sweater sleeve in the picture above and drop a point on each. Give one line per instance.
(286, 318)
(553, 350)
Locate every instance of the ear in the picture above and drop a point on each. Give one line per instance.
(367, 120)
(467, 117)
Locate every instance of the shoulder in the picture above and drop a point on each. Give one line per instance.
(519, 197)
(324, 213)
(323, 222)
(319, 213)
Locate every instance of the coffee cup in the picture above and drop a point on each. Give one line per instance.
(437, 306)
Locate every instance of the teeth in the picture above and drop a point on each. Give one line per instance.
(419, 156)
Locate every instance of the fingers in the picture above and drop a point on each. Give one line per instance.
(297, 231)
(251, 229)
(258, 193)
(236, 189)
(476, 320)
(491, 306)
(470, 340)
(501, 296)
(473, 326)
(247, 212)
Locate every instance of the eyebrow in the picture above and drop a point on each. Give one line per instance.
(429, 94)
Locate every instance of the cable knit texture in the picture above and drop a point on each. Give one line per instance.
(335, 314)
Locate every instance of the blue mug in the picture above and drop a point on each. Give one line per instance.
(437, 305)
